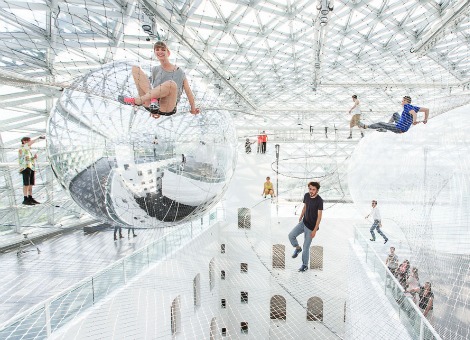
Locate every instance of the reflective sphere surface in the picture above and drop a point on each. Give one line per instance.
(126, 168)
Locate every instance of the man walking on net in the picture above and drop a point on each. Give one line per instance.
(375, 213)
(356, 116)
(309, 223)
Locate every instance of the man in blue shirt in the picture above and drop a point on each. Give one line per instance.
(408, 116)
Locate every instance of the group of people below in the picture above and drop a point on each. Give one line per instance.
(408, 278)
(398, 123)
(118, 228)
(262, 141)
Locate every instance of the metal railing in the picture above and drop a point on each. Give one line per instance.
(40, 321)
(409, 314)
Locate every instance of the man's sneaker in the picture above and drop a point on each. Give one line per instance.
(153, 112)
(27, 202)
(303, 268)
(32, 200)
(372, 239)
(361, 125)
(154, 105)
(362, 135)
(297, 251)
(126, 100)
(386, 241)
(350, 137)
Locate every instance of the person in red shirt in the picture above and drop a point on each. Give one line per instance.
(264, 139)
(259, 143)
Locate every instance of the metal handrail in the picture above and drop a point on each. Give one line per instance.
(423, 320)
(119, 263)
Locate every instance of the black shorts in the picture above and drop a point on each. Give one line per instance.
(28, 176)
(158, 112)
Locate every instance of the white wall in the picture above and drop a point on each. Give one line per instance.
(141, 310)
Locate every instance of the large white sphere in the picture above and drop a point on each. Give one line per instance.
(126, 168)
(421, 180)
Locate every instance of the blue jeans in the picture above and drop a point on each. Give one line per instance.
(376, 225)
(386, 126)
(298, 230)
(395, 118)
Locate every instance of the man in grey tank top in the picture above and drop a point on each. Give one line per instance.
(160, 93)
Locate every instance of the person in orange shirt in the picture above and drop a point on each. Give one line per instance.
(259, 143)
(264, 139)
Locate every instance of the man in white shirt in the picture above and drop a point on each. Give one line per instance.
(356, 116)
(375, 213)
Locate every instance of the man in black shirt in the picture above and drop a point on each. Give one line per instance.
(309, 223)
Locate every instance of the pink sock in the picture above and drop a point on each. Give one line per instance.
(129, 100)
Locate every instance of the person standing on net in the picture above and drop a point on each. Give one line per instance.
(356, 116)
(375, 213)
(27, 168)
(259, 143)
(309, 223)
(264, 140)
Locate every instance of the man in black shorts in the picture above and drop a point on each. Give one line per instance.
(309, 223)
(27, 167)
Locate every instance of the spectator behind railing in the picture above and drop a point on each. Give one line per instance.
(425, 300)
(412, 284)
(422, 296)
(403, 272)
(392, 261)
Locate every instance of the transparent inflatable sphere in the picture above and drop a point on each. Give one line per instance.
(421, 180)
(126, 168)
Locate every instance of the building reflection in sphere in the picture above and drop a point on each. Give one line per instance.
(126, 168)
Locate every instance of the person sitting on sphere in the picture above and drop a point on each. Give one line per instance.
(268, 188)
(409, 116)
(160, 93)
